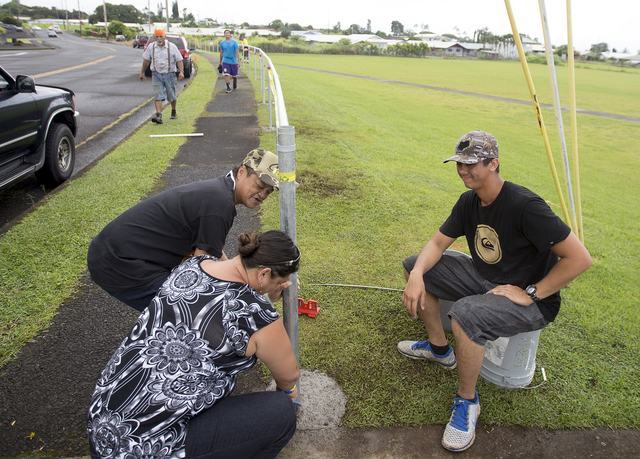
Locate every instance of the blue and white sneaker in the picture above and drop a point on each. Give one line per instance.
(460, 432)
(421, 350)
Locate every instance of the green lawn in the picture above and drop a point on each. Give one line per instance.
(373, 189)
(597, 90)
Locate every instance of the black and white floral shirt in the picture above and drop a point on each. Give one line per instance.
(182, 355)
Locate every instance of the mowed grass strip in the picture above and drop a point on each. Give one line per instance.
(43, 256)
(373, 189)
(616, 92)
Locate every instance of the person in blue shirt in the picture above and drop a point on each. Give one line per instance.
(229, 58)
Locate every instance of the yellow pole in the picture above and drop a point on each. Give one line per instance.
(574, 124)
(536, 106)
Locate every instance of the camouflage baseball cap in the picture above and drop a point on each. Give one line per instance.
(265, 165)
(475, 146)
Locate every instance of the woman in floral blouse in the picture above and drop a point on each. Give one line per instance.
(164, 392)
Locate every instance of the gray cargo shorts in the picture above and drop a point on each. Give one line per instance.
(481, 316)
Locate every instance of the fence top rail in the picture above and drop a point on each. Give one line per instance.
(282, 119)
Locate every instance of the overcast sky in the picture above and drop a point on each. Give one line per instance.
(614, 22)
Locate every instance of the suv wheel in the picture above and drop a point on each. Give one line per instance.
(187, 70)
(60, 156)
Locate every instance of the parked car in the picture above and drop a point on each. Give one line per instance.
(120, 38)
(35, 27)
(52, 33)
(39, 124)
(183, 47)
(7, 27)
(140, 41)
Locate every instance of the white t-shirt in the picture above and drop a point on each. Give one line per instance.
(163, 60)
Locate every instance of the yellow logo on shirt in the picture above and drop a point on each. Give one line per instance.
(488, 245)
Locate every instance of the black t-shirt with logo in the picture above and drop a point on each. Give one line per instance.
(146, 242)
(510, 239)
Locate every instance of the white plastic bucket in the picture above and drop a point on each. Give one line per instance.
(445, 307)
(511, 362)
(508, 362)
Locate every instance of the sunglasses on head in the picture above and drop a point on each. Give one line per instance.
(287, 263)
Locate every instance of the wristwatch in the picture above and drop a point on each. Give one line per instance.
(531, 290)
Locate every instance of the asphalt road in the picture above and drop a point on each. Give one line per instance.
(110, 97)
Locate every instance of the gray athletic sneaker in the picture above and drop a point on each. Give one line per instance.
(421, 350)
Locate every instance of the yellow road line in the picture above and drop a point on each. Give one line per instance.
(120, 118)
(73, 68)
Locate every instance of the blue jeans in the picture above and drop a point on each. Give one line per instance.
(256, 425)
(162, 82)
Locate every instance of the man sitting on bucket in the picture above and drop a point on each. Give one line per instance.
(522, 254)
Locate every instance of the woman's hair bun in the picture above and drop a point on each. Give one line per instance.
(249, 243)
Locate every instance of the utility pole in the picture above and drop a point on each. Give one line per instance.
(79, 18)
(106, 28)
(167, 2)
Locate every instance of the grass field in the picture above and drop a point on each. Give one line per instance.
(373, 190)
(603, 91)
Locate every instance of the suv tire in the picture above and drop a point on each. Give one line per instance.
(187, 70)
(60, 156)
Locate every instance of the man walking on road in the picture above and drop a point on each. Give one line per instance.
(134, 254)
(165, 60)
(229, 57)
(522, 255)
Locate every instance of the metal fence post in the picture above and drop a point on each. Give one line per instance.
(285, 149)
(270, 103)
(263, 79)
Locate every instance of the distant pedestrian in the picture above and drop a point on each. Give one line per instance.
(133, 255)
(245, 49)
(165, 60)
(229, 58)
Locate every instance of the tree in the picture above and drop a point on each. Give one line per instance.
(396, 28)
(368, 25)
(599, 48)
(175, 12)
(276, 24)
(118, 28)
(482, 35)
(381, 34)
(122, 13)
(355, 28)
(337, 28)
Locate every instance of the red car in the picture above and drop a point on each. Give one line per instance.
(140, 41)
(183, 47)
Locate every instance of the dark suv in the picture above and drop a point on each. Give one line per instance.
(39, 124)
(140, 41)
(181, 43)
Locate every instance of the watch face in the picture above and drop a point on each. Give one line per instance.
(531, 290)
